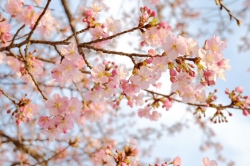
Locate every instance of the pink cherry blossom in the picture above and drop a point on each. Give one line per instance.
(206, 162)
(99, 74)
(182, 79)
(74, 107)
(200, 93)
(30, 110)
(155, 116)
(69, 70)
(209, 59)
(98, 33)
(70, 52)
(28, 16)
(215, 45)
(177, 161)
(109, 90)
(160, 63)
(223, 65)
(14, 7)
(139, 99)
(57, 105)
(13, 63)
(143, 78)
(174, 46)
(98, 6)
(122, 72)
(44, 122)
(144, 112)
(46, 25)
(35, 66)
(112, 26)
(95, 111)
(129, 88)
(210, 77)
(52, 132)
(57, 75)
(192, 46)
(167, 104)
(66, 123)
(151, 37)
(239, 89)
(92, 95)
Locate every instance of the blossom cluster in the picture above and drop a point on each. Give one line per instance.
(64, 113)
(26, 111)
(99, 30)
(68, 70)
(129, 157)
(28, 16)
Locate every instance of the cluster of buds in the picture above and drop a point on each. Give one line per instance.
(146, 14)
(24, 111)
(123, 158)
(238, 100)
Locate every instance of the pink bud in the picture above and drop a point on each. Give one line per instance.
(130, 103)
(167, 104)
(239, 89)
(109, 147)
(143, 43)
(173, 79)
(172, 72)
(153, 14)
(227, 91)
(149, 60)
(245, 112)
(114, 72)
(30, 8)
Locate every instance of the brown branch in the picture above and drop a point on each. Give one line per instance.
(113, 52)
(76, 33)
(33, 79)
(113, 36)
(192, 104)
(70, 20)
(6, 95)
(36, 84)
(33, 153)
(17, 34)
(45, 162)
(219, 2)
(36, 24)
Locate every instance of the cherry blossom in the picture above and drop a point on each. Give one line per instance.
(14, 7)
(174, 46)
(99, 74)
(57, 105)
(46, 25)
(215, 45)
(28, 16)
(177, 161)
(112, 26)
(207, 162)
(143, 78)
